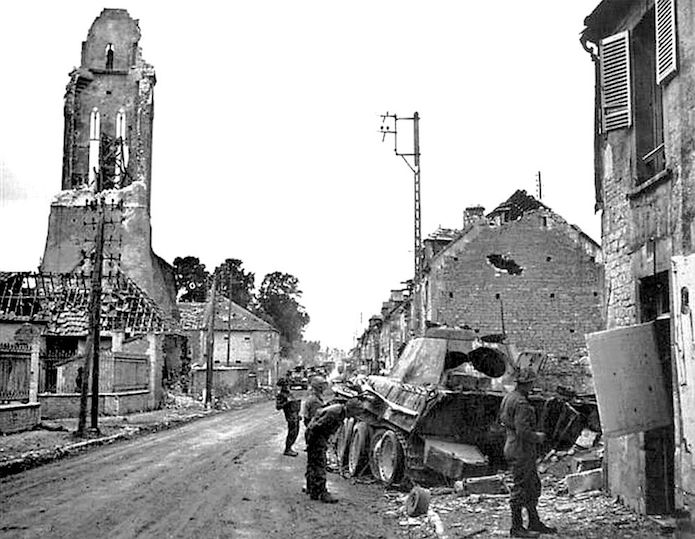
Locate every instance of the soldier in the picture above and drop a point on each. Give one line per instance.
(315, 400)
(519, 420)
(286, 402)
(325, 423)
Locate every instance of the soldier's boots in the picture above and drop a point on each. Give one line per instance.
(535, 523)
(541, 528)
(518, 529)
(290, 453)
(522, 532)
(325, 497)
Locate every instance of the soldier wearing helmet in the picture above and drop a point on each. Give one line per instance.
(315, 400)
(518, 417)
(325, 423)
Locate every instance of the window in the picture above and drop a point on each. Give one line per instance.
(109, 56)
(649, 123)
(654, 297)
(633, 68)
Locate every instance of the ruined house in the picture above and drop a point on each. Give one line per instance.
(644, 57)
(47, 315)
(246, 348)
(107, 162)
(522, 271)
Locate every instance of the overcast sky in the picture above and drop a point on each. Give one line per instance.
(266, 144)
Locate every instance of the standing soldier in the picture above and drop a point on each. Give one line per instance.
(325, 423)
(315, 400)
(286, 402)
(519, 420)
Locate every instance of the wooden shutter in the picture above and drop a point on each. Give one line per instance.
(665, 39)
(616, 99)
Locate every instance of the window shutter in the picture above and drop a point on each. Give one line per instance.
(616, 99)
(665, 39)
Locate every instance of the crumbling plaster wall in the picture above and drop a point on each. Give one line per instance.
(127, 233)
(549, 306)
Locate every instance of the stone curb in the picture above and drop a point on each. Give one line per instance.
(29, 461)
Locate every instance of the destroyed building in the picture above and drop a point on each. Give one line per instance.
(107, 162)
(100, 220)
(522, 271)
(644, 58)
(246, 348)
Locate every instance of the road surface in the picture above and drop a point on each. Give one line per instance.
(223, 476)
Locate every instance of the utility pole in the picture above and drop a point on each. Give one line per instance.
(415, 167)
(539, 186)
(229, 317)
(210, 343)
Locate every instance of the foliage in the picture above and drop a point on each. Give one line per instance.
(278, 298)
(191, 278)
(234, 282)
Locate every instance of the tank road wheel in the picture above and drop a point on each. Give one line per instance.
(359, 444)
(343, 441)
(375, 439)
(390, 459)
(418, 501)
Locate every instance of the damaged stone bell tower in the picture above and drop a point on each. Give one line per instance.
(107, 162)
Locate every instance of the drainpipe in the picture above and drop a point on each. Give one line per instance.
(592, 49)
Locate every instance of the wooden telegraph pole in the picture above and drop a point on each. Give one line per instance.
(91, 357)
(210, 344)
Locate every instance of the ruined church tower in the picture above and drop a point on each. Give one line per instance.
(109, 108)
(107, 162)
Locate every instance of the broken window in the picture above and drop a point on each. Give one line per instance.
(505, 264)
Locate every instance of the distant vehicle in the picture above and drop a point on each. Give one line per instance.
(434, 417)
(298, 378)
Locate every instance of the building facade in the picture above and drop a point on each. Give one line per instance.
(246, 348)
(644, 58)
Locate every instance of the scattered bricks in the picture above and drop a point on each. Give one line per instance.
(585, 481)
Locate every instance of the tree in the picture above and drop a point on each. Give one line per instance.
(234, 282)
(278, 298)
(192, 280)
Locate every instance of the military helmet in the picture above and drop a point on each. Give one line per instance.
(525, 376)
(318, 382)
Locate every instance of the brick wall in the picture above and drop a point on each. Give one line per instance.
(549, 306)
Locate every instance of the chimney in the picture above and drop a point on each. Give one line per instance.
(473, 214)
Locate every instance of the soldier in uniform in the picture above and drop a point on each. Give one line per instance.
(519, 420)
(325, 422)
(315, 400)
(286, 402)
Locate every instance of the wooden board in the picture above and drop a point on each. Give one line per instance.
(629, 383)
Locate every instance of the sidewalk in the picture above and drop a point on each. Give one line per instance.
(54, 439)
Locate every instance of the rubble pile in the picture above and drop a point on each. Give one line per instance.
(586, 515)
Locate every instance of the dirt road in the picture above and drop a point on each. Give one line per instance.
(223, 476)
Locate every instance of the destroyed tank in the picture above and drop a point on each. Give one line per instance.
(434, 417)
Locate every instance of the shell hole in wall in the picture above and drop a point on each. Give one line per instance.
(505, 264)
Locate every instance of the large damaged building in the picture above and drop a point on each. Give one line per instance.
(644, 57)
(521, 271)
(99, 238)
